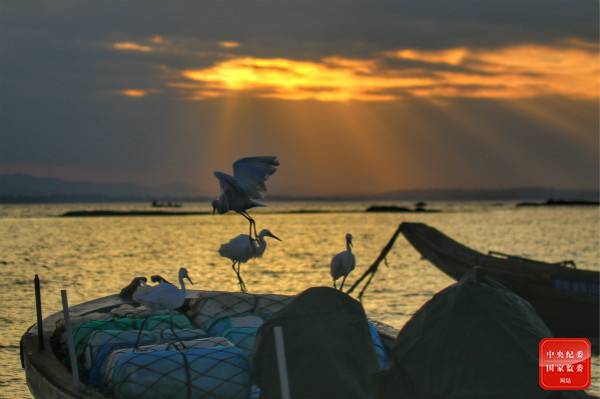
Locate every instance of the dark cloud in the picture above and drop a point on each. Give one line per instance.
(60, 75)
(314, 25)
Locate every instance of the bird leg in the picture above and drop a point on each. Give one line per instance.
(334, 285)
(243, 285)
(343, 281)
(237, 272)
(252, 224)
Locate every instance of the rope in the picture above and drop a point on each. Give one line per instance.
(372, 270)
(139, 335)
(188, 374)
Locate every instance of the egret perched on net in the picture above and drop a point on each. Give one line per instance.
(239, 192)
(343, 263)
(163, 296)
(243, 248)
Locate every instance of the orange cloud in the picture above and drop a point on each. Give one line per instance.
(157, 39)
(229, 44)
(131, 46)
(452, 56)
(511, 72)
(136, 93)
(333, 79)
(514, 72)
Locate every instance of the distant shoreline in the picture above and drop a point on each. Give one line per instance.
(553, 202)
(23, 188)
(128, 213)
(115, 213)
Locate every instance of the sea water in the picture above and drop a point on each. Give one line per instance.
(93, 257)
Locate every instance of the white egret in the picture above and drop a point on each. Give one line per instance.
(343, 263)
(239, 192)
(163, 296)
(243, 248)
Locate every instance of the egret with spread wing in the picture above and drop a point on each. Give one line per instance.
(243, 248)
(239, 192)
(343, 263)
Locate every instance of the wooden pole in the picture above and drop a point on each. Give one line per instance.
(370, 272)
(38, 311)
(281, 363)
(69, 336)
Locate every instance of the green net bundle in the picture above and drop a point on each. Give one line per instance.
(96, 339)
(203, 353)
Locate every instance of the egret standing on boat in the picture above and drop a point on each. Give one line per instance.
(243, 248)
(163, 296)
(343, 263)
(239, 192)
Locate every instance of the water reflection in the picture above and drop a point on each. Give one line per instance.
(92, 257)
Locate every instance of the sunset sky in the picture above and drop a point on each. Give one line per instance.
(352, 96)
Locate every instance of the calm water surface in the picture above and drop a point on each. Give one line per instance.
(93, 257)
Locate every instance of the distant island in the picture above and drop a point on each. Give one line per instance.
(110, 213)
(554, 202)
(420, 207)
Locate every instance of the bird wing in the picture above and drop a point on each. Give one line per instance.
(337, 263)
(342, 264)
(230, 186)
(253, 172)
(352, 261)
(166, 295)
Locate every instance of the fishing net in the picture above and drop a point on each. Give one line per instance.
(211, 308)
(204, 352)
(95, 339)
(473, 340)
(206, 369)
(328, 348)
(102, 343)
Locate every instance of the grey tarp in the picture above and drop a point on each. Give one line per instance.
(473, 340)
(329, 350)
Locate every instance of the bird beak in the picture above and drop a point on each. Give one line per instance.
(189, 279)
(275, 237)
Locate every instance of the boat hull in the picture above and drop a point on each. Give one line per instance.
(567, 312)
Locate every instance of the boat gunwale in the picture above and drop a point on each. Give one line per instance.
(442, 245)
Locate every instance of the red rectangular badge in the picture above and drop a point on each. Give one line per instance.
(565, 363)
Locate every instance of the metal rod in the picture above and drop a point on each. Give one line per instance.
(281, 363)
(38, 311)
(69, 336)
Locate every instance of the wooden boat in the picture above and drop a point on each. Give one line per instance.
(565, 297)
(48, 378)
